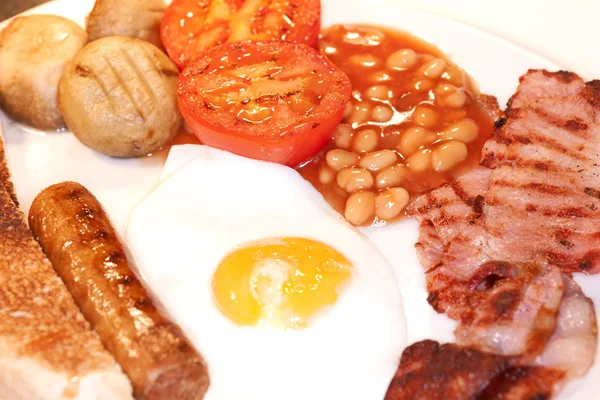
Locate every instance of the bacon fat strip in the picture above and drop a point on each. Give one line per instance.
(76, 235)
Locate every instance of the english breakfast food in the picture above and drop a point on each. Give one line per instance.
(246, 273)
(414, 122)
(271, 281)
(500, 243)
(76, 235)
(191, 28)
(132, 18)
(49, 350)
(117, 96)
(273, 101)
(33, 54)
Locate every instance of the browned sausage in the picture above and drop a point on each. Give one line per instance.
(76, 235)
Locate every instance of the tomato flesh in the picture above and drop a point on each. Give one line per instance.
(190, 28)
(274, 101)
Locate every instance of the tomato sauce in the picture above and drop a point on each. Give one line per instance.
(391, 96)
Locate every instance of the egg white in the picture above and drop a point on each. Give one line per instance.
(209, 203)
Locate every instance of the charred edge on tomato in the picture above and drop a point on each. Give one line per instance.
(114, 257)
(101, 235)
(143, 303)
(126, 280)
(76, 193)
(85, 212)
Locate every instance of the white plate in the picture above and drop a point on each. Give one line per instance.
(39, 159)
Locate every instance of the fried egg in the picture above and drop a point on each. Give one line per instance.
(282, 297)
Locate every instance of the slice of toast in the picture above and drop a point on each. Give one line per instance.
(47, 349)
(4, 172)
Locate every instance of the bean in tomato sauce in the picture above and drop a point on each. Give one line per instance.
(414, 122)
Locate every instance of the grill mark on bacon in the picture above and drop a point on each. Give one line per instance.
(476, 203)
(433, 205)
(575, 126)
(445, 219)
(536, 186)
(539, 140)
(568, 212)
(489, 158)
(592, 192)
(467, 230)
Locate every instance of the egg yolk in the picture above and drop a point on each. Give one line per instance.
(279, 282)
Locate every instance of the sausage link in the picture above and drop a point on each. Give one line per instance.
(76, 235)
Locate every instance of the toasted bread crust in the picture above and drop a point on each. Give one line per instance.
(45, 343)
(5, 174)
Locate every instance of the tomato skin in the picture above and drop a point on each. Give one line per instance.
(189, 31)
(290, 151)
(296, 143)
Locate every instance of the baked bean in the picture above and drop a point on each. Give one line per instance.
(364, 36)
(448, 155)
(343, 136)
(360, 207)
(466, 131)
(365, 140)
(354, 179)
(454, 115)
(326, 175)
(390, 203)
(348, 109)
(378, 160)
(378, 92)
(364, 60)
(434, 68)
(380, 76)
(360, 114)
(414, 138)
(338, 159)
(445, 89)
(410, 120)
(382, 114)
(402, 59)
(391, 176)
(422, 84)
(456, 100)
(454, 75)
(420, 161)
(424, 116)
